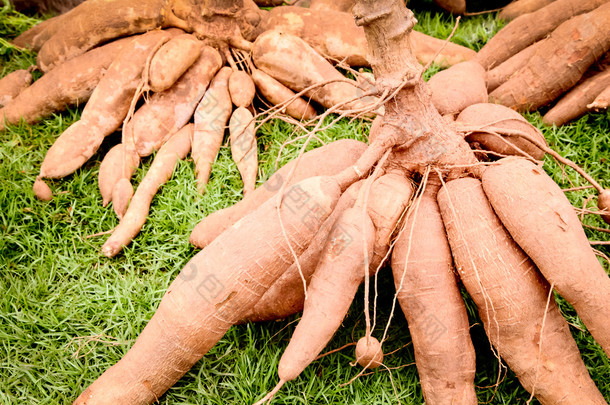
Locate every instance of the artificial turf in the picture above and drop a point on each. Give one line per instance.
(67, 313)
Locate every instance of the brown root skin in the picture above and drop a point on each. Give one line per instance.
(13, 84)
(276, 93)
(42, 190)
(515, 303)
(388, 198)
(426, 50)
(241, 88)
(334, 35)
(165, 113)
(576, 102)
(105, 111)
(121, 196)
(369, 353)
(571, 48)
(533, 208)
(529, 28)
(335, 5)
(287, 295)
(219, 23)
(243, 146)
(453, 6)
(430, 298)
(333, 285)
(110, 172)
(214, 290)
(35, 37)
(500, 74)
(519, 7)
(98, 21)
(603, 203)
(458, 87)
(117, 164)
(602, 101)
(325, 161)
(496, 118)
(68, 84)
(160, 171)
(211, 117)
(331, 33)
(172, 60)
(294, 63)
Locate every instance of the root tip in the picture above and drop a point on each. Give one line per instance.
(42, 190)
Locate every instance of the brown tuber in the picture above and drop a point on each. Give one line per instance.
(369, 353)
(499, 221)
(570, 49)
(172, 60)
(520, 7)
(13, 84)
(458, 87)
(241, 88)
(496, 128)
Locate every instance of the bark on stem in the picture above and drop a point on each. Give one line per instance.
(412, 125)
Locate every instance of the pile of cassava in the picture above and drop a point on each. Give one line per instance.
(167, 89)
(449, 190)
(551, 51)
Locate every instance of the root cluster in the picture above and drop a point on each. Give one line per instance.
(448, 191)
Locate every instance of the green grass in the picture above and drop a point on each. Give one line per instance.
(67, 313)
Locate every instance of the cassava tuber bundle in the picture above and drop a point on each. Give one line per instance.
(491, 264)
(252, 251)
(571, 49)
(529, 28)
(66, 85)
(297, 65)
(168, 111)
(105, 110)
(161, 169)
(241, 277)
(327, 160)
(543, 54)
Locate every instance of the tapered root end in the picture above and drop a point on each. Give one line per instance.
(42, 190)
(603, 203)
(369, 353)
(267, 398)
(121, 195)
(198, 237)
(110, 249)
